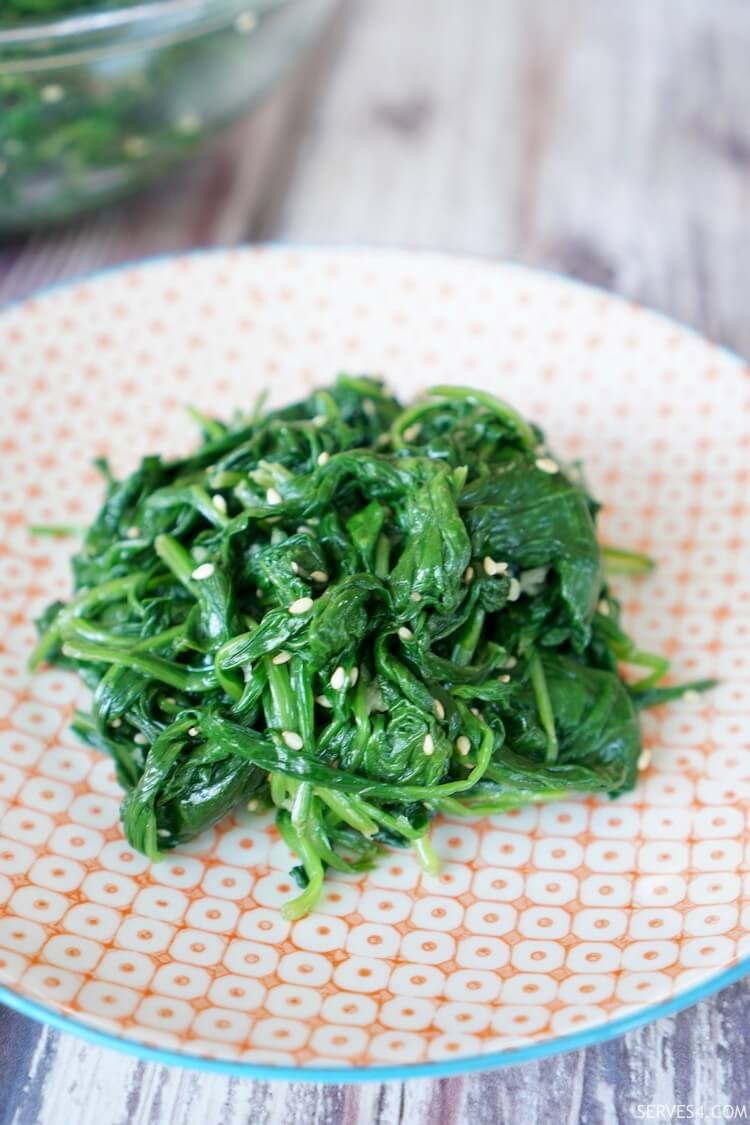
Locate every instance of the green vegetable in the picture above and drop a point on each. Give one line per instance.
(100, 107)
(72, 134)
(359, 615)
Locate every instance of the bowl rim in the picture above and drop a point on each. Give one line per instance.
(138, 17)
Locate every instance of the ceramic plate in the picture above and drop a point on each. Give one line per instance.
(549, 927)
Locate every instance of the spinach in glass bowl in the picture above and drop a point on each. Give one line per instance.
(96, 99)
(16, 12)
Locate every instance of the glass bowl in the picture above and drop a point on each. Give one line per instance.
(96, 104)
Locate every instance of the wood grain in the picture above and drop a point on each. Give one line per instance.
(609, 141)
(606, 140)
(700, 1058)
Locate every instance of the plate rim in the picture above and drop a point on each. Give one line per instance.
(59, 1020)
(357, 1075)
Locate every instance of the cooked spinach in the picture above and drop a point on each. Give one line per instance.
(13, 11)
(359, 614)
(73, 137)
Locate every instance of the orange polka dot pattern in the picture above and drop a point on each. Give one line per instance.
(543, 921)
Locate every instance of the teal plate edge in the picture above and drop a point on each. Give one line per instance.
(591, 1037)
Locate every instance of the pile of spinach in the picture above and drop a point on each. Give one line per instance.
(359, 614)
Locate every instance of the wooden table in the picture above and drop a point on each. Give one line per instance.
(606, 140)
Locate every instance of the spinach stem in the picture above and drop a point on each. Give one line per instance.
(544, 706)
(382, 554)
(351, 809)
(304, 903)
(468, 638)
(495, 405)
(282, 695)
(426, 855)
(57, 530)
(619, 561)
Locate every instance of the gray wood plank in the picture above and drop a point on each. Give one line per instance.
(607, 140)
(700, 1057)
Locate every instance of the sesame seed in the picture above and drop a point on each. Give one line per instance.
(354, 675)
(476, 712)
(510, 662)
(469, 575)
(295, 568)
(504, 679)
(492, 568)
(188, 122)
(170, 701)
(463, 745)
(411, 433)
(547, 465)
(273, 497)
(292, 739)
(135, 147)
(282, 657)
(405, 633)
(645, 760)
(603, 607)
(245, 22)
(52, 93)
(319, 575)
(252, 805)
(193, 732)
(415, 596)
(338, 679)
(368, 406)
(692, 696)
(439, 709)
(140, 739)
(205, 570)
(247, 671)
(324, 457)
(323, 701)
(163, 832)
(428, 745)
(219, 503)
(115, 723)
(133, 532)
(320, 420)
(532, 580)
(302, 605)
(514, 591)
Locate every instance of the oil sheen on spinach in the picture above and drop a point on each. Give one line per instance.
(360, 615)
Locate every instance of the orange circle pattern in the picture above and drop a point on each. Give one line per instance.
(543, 921)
